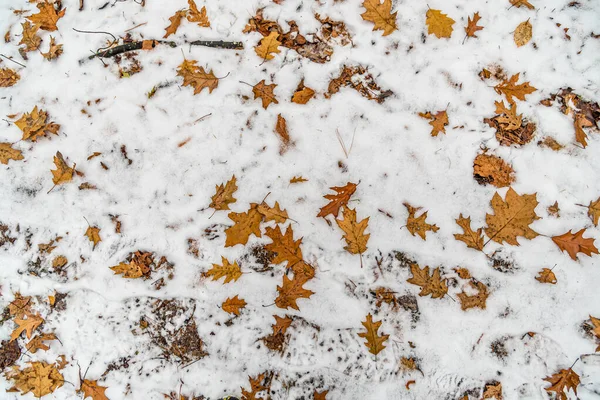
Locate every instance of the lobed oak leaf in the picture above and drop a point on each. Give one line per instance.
(8, 153)
(492, 390)
(438, 121)
(284, 246)
(354, 231)
(546, 276)
(261, 382)
(432, 285)
(231, 272)
(510, 89)
(37, 343)
(233, 305)
(93, 234)
(554, 210)
(47, 17)
(374, 341)
(8, 77)
(472, 26)
(511, 217)
(478, 300)
(193, 15)
(508, 117)
(137, 267)
(439, 24)
(473, 239)
(245, 224)
(274, 213)
(298, 179)
(417, 225)
(522, 3)
(320, 395)
(596, 324)
(39, 378)
(29, 37)
(175, 23)
(54, 51)
(28, 325)
(488, 168)
(223, 196)
(302, 94)
(20, 306)
(35, 125)
(197, 77)
(565, 379)
(63, 173)
(267, 46)
(550, 143)
(523, 33)
(381, 15)
(579, 123)
(265, 92)
(91, 389)
(276, 340)
(290, 291)
(594, 211)
(282, 131)
(338, 200)
(574, 243)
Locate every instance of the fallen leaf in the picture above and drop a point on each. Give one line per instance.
(417, 225)
(93, 234)
(338, 200)
(9, 78)
(596, 324)
(298, 179)
(288, 250)
(39, 378)
(522, 3)
(511, 217)
(546, 276)
(200, 17)
(231, 272)
(374, 341)
(282, 132)
(358, 78)
(488, 168)
(59, 262)
(551, 143)
(197, 77)
(20, 306)
(565, 379)
(92, 389)
(137, 267)
(233, 305)
(258, 384)
(510, 89)
(302, 94)
(26, 325)
(593, 209)
(553, 210)
(320, 395)
(381, 15)
(29, 37)
(37, 343)
(473, 239)
(223, 196)
(63, 173)
(439, 24)
(8, 153)
(245, 224)
(265, 92)
(54, 51)
(492, 390)
(267, 46)
(579, 123)
(47, 17)
(438, 121)
(432, 285)
(175, 22)
(290, 291)
(408, 364)
(462, 273)
(508, 117)
(478, 300)
(523, 33)
(274, 213)
(35, 125)
(276, 340)
(472, 26)
(354, 232)
(574, 243)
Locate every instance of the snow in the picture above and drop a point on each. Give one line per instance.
(162, 199)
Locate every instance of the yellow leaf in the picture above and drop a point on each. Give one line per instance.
(438, 121)
(492, 390)
(511, 217)
(93, 234)
(197, 77)
(354, 232)
(233, 305)
(231, 272)
(298, 179)
(381, 15)
(8, 153)
(417, 225)
(63, 173)
(224, 195)
(508, 117)
(175, 22)
(38, 379)
(374, 341)
(245, 224)
(274, 213)
(193, 15)
(523, 33)
(473, 239)
(47, 16)
(29, 37)
(92, 389)
(265, 92)
(8, 77)
(439, 24)
(432, 285)
(26, 325)
(267, 46)
(546, 276)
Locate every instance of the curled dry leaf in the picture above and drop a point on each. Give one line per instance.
(282, 131)
(54, 51)
(200, 17)
(9, 78)
(562, 381)
(432, 285)
(546, 276)
(276, 340)
(494, 170)
(233, 305)
(265, 92)
(574, 243)
(175, 22)
(8, 153)
(37, 343)
(35, 125)
(258, 384)
(47, 17)
(93, 234)
(554, 210)
(438, 24)
(522, 3)
(478, 300)
(472, 27)
(231, 272)
(320, 395)
(492, 390)
(338, 200)
(374, 340)
(511, 217)
(29, 37)
(63, 173)
(508, 117)
(523, 33)
(302, 94)
(381, 15)
(197, 77)
(417, 225)
(473, 239)
(358, 78)
(223, 196)
(438, 121)
(268, 46)
(137, 267)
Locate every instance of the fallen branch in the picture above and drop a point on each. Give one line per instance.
(219, 44)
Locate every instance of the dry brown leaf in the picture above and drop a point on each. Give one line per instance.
(137, 267)
(8, 153)
(223, 196)
(245, 224)
(298, 179)
(20, 306)
(510, 89)
(462, 273)
(374, 340)
(354, 232)
(546, 276)
(302, 94)
(37, 343)
(492, 390)
(267, 46)
(508, 117)
(381, 15)
(438, 24)
(550, 143)
(477, 300)
(28, 325)
(274, 213)
(258, 384)
(54, 51)
(596, 325)
(579, 123)
(320, 395)
(472, 26)
(197, 77)
(92, 389)
(438, 121)
(290, 291)
(574, 243)
(47, 17)
(29, 37)
(63, 173)
(358, 78)
(473, 239)
(565, 379)
(93, 234)
(553, 210)
(523, 33)
(338, 200)
(488, 168)
(233, 305)
(417, 225)
(231, 272)
(193, 15)
(288, 250)
(35, 125)
(522, 3)
(9, 78)
(59, 262)
(175, 22)
(282, 132)
(276, 340)
(265, 92)
(593, 210)
(511, 217)
(39, 378)
(432, 285)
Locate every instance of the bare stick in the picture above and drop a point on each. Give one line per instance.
(10, 59)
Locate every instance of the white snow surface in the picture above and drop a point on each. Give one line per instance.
(162, 199)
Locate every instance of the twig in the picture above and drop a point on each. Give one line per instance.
(10, 59)
(80, 5)
(137, 26)
(218, 44)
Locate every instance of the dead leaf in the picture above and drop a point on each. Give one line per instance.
(8, 153)
(39, 378)
(47, 17)
(92, 389)
(20, 306)
(478, 300)
(596, 325)
(472, 26)
(338, 200)
(492, 390)
(245, 224)
(574, 243)
(508, 117)
(197, 77)
(546, 276)
(54, 51)
(462, 273)
(258, 384)
(438, 121)
(63, 173)
(137, 267)
(28, 325)
(59, 262)
(35, 125)
(200, 17)
(523, 33)
(175, 22)
(276, 340)
(37, 343)
(374, 341)
(510, 89)
(29, 37)
(9, 78)
(265, 92)
(320, 395)
(522, 3)
(593, 209)
(359, 79)
(267, 46)
(381, 15)
(298, 179)
(282, 132)
(439, 24)
(233, 305)
(93, 234)
(417, 225)
(288, 250)
(354, 232)
(432, 285)
(334, 31)
(274, 213)
(231, 272)
(550, 143)
(511, 217)
(565, 379)
(488, 168)
(473, 239)
(553, 210)
(223, 196)
(290, 291)
(302, 94)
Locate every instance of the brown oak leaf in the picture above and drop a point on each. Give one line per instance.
(37, 343)
(245, 224)
(274, 213)
(8, 153)
(565, 379)
(35, 125)
(54, 51)
(302, 94)
(193, 15)
(594, 211)
(29, 37)
(39, 378)
(223, 196)
(510, 89)
(63, 173)
(522, 3)
(574, 243)
(175, 22)
(197, 77)
(546, 276)
(374, 340)
(9, 78)
(290, 291)
(265, 92)
(47, 17)
(511, 217)
(473, 239)
(288, 250)
(28, 325)
(438, 24)
(417, 225)
(282, 131)
(432, 285)
(233, 305)
(267, 46)
(91, 389)
(354, 232)
(478, 300)
(438, 121)
(472, 27)
(93, 234)
(338, 200)
(488, 168)
(231, 272)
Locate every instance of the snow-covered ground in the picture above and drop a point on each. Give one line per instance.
(161, 199)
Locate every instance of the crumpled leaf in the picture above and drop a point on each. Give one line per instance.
(381, 15)
(39, 378)
(508, 117)
(574, 243)
(438, 121)
(268, 46)
(258, 384)
(193, 15)
(35, 125)
(302, 94)
(492, 390)
(511, 217)
(439, 24)
(432, 285)
(245, 224)
(137, 267)
(197, 77)
(417, 225)
(374, 340)
(274, 213)
(233, 305)
(223, 196)
(472, 26)
(338, 200)
(30, 38)
(265, 92)
(290, 291)
(92, 389)
(9, 78)
(546, 276)
(231, 272)
(276, 340)
(8, 153)
(562, 381)
(37, 343)
(354, 231)
(478, 300)
(488, 168)
(54, 51)
(511, 90)
(47, 17)
(523, 33)
(63, 173)
(473, 239)
(93, 234)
